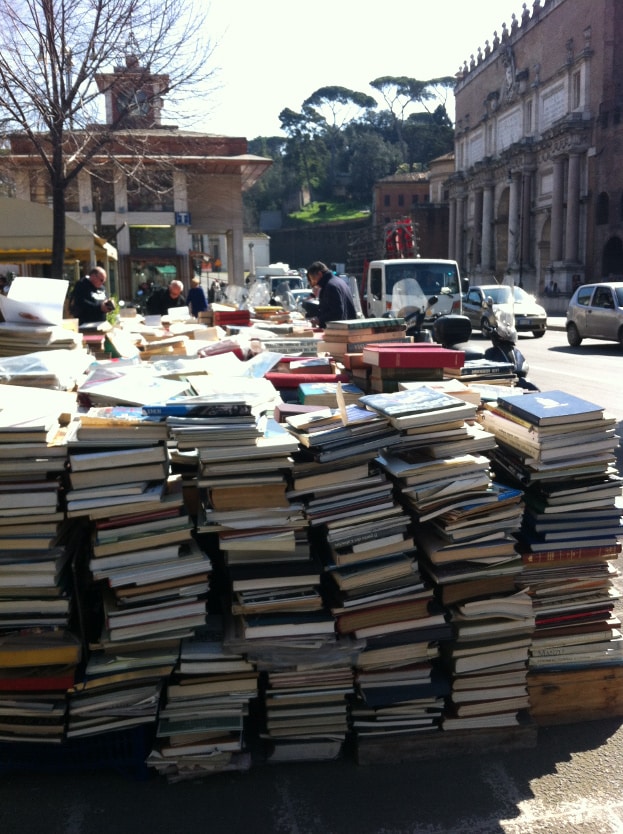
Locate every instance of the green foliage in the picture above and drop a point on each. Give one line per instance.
(342, 142)
(328, 212)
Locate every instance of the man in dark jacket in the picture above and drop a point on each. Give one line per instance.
(335, 300)
(89, 301)
(164, 298)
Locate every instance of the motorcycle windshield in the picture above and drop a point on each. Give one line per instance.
(408, 298)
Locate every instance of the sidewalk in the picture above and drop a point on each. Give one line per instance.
(556, 323)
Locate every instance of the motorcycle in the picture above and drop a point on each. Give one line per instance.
(453, 330)
(504, 349)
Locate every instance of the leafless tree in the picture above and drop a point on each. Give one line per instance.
(57, 58)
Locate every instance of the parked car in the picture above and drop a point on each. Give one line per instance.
(530, 317)
(595, 311)
(488, 304)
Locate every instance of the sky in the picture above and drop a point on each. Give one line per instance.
(273, 54)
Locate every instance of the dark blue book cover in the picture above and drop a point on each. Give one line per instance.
(550, 407)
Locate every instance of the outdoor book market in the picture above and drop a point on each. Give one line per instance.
(237, 540)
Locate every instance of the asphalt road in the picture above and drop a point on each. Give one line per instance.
(571, 782)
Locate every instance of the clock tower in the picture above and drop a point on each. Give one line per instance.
(133, 95)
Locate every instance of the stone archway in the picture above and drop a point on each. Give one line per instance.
(612, 259)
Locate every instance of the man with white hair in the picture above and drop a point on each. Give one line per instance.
(164, 298)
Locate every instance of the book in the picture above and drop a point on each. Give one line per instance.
(326, 393)
(418, 355)
(39, 648)
(288, 625)
(413, 401)
(547, 408)
(571, 554)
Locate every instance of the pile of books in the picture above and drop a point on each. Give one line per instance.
(350, 336)
(389, 364)
(560, 447)
(201, 722)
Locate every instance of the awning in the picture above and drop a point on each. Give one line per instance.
(26, 235)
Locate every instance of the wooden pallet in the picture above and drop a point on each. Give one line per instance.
(567, 697)
(440, 744)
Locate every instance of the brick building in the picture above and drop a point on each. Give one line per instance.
(185, 202)
(411, 194)
(537, 192)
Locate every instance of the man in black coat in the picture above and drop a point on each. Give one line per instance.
(89, 301)
(335, 300)
(164, 298)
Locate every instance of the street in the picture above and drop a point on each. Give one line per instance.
(571, 782)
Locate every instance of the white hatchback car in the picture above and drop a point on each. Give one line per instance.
(596, 312)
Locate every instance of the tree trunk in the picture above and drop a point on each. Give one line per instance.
(58, 219)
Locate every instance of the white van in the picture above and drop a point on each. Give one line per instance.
(433, 275)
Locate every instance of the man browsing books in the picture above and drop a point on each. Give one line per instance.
(335, 300)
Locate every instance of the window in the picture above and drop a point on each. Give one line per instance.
(401, 199)
(584, 296)
(153, 193)
(386, 200)
(103, 190)
(603, 298)
(528, 119)
(415, 199)
(576, 90)
(152, 237)
(602, 214)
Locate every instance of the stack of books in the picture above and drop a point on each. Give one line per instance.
(484, 370)
(350, 336)
(202, 720)
(306, 712)
(326, 393)
(391, 363)
(488, 661)
(560, 448)
(37, 666)
(119, 691)
(363, 537)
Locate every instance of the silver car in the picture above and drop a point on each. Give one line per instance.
(488, 304)
(596, 312)
(530, 316)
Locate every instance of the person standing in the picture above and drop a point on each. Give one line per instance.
(164, 298)
(335, 300)
(89, 301)
(196, 298)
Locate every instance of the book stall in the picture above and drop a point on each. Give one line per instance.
(275, 545)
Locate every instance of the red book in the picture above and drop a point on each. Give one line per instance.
(572, 554)
(415, 355)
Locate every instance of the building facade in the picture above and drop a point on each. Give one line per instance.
(410, 194)
(537, 192)
(169, 200)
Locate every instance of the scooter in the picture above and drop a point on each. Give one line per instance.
(504, 349)
(410, 303)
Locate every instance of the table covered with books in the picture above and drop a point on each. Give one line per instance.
(203, 570)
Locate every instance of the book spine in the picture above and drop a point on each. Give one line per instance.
(571, 553)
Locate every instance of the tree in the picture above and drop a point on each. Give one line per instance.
(402, 94)
(52, 53)
(335, 107)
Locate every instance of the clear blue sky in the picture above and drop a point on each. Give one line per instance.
(271, 54)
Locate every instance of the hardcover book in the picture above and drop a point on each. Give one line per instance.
(546, 408)
(414, 355)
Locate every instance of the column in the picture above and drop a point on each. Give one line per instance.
(487, 229)
(573, 209)
(451, 229)
(478, 228)
(555, 252)
(458, 232)
(513, 220)
(524, 234)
